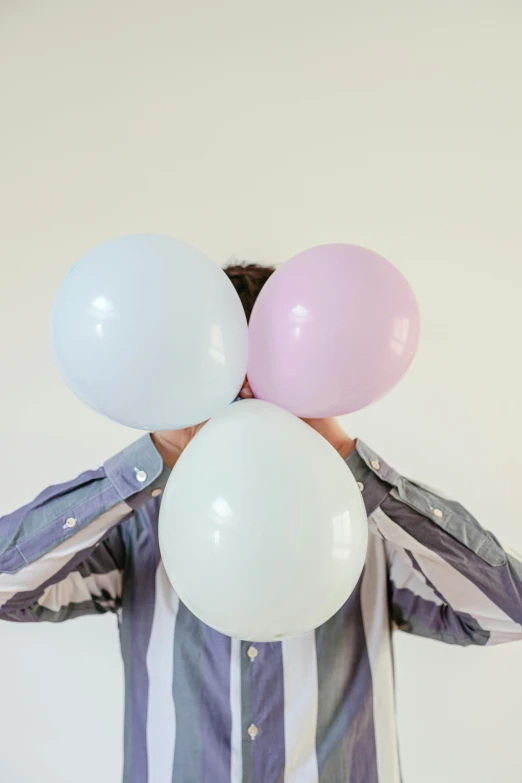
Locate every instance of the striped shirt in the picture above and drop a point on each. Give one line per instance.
(204, 708)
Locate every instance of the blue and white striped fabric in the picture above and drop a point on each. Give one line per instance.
(203, 708)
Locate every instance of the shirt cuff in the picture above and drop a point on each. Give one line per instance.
(138, 472)
(374, 477)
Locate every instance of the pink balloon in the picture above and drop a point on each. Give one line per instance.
(333, 330)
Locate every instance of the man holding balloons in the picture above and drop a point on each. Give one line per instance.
(257, 558)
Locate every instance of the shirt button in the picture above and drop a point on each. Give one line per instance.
(376, 465)
(156, 493)
(252, 653)
(71, 522)
(360, 485)
(141, 476)
(253, 731)
(437, 513)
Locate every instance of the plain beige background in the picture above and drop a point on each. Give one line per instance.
(256, 130)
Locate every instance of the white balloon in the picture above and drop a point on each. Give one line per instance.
(148, 331)
(263, 530)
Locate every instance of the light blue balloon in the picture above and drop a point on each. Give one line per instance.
(151, 333)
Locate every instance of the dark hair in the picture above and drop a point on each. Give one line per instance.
(248, 280)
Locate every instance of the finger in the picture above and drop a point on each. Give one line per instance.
(246, 392)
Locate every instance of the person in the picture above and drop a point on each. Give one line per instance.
(201, 707)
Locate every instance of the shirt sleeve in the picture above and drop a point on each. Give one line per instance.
(63, 555)
(449, 579)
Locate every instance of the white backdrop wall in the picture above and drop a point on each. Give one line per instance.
(254, 130)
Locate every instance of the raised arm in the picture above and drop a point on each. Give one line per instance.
(449, 579)
(62, 555)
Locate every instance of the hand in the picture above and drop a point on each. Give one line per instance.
(330, 429)
(171, 443)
